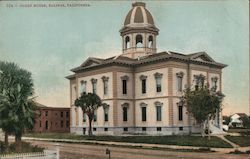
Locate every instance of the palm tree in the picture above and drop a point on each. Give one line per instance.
(89, 104)
(16, 105)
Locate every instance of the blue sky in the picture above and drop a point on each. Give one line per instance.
(50, 41)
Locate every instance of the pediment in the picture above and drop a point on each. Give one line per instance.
(91, 62)
(202, 57)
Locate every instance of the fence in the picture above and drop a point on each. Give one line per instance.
(47, 154)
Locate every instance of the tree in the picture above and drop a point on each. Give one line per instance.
(203, 104)
(89, 103)
(245, 121)
(226, 119)
(16, 104)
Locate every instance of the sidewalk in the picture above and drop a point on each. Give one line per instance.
(143, 145)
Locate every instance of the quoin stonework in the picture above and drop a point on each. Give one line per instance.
(141, 87)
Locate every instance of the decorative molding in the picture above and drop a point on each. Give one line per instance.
(83, 82)
(105, 106)
(142, 104)
(157, 103)
(125, 77)
(180, 74)
(93, 80)
(158, 75)
(105, 78)
(125, 105)
(143, 77)
(214, 79)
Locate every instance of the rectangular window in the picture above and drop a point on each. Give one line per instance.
(46, 113)
(67, 123)
(180, 113)
(84, 117)
(83, 87)
(144, 129)
(105, 87)
(125, 129)
(158, 113)
(143, 84)
(179, 84)
(46, 125)
(94, 129)
(144, 113)
(61, 123)
(106, 129)
(124, 86)
(61, 114)
(106, 114)
(158, 84)
(158, 128)
(94, 87)
(67, 114)
(125, 113)
(95, 116)
(181, 128)
(84, 131)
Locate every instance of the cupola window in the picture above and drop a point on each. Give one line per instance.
(150, 41)
(139, 42)
(127, 42)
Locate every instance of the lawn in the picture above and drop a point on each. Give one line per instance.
(184, 140)
(25, 148)
(239, 140)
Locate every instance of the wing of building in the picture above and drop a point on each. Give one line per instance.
(141, 87)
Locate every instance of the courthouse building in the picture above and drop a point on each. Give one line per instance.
(141, 87)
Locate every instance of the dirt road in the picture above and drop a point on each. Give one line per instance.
(81, 151)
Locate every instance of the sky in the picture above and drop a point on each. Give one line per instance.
(49, 41)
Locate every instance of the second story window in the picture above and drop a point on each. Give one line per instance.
(214, 83)
(67, 114)
(46, 113)
(105, 85)
(61, 114)
(158, 77)
(124, 84)
(199, 81)
(179, 76)
(94, 85)
(143, 83)
(83, 86)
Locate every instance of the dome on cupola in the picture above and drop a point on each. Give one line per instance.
(138, 16)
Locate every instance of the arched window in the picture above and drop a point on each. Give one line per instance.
(138, 40)
(127, 42)
(150, 41)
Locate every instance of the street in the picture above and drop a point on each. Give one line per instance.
(81, 151)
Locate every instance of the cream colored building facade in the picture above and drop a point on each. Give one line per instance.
(141, 87)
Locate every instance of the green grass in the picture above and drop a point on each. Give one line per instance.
(183, 140)
(25, 148)
(239, 140)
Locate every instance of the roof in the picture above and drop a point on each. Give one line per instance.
(241, 114)
(139, 14)
(195, 58)
(39, 105)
